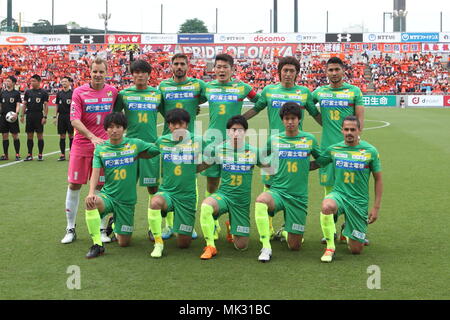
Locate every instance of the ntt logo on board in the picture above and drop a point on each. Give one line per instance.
(269, 39)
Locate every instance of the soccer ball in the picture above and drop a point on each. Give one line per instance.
(11, 117)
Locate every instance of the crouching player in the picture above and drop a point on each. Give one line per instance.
(289, 184)
(353, 161)
(181, 160)
(237, 160)
(118, 157)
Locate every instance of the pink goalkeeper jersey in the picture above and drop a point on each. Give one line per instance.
(91, 107)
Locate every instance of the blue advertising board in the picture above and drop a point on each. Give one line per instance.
(420, 37)
(196, 38)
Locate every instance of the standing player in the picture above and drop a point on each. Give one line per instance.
(237, 160)
(141, 104)
(225, 97)
(180, 152)
(91, 103)
(274, 96)
(117, 157)
(289, 185)
(337, 101)
(353, 161)
(182, 92)
(10, 100)
(35, 102)
(63, 102)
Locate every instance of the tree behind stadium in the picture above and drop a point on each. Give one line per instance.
(193, 26)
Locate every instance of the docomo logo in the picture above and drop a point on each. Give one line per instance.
(426, 101)
(16, 39)
(269, 39)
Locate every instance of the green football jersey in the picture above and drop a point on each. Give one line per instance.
(120, 166)
(237, 171)
(274, 96)
(225, 101)
(290, 159)
(179, 163)
(352, 168)
(186, 95)
(141, 109)
(335, 105)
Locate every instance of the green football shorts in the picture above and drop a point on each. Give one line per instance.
(148, 171)
(239, 214)
(123, 214)
(356, 215)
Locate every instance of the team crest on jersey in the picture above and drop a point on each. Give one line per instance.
(109, 94)
(68, 101)
(10, 100)
(38, 100)
(298, 91)
(363, 151)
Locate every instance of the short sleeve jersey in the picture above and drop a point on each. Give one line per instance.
(225, 101)
(186, 95)
(179, 161)
(35, 99)
(141, 109)
(352, 167)
(237, 170)
(63, 101)
(9, 100)
(91, 107)
(335, 105)
(291, 156)
(120, 167)
(274, 96)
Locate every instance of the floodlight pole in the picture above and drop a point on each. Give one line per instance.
(295, 15)
(53, 16)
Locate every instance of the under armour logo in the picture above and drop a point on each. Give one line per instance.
(347, 37)
(86, 39)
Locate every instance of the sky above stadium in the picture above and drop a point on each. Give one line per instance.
(235, 16)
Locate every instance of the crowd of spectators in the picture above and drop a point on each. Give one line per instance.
(415, 73)
(418, 73)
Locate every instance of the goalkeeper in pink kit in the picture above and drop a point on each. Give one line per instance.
(91, 103)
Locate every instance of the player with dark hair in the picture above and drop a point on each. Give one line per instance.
(63, 102)
(10, 100)
(91, 103)
(274, 96)
(35, 106)
(180, 156)
(117, 156)
(353, 161)
(237, 160)
(290, 151)
(180, 92)
(336, 100)
(225, 97)
(141, 104)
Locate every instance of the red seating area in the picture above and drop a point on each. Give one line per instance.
(419, 73)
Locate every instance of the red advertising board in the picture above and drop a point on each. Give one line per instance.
(446, 101)
(123, 39)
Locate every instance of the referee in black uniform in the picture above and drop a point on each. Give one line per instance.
(63, 101)
(36, 104)
(10, 100)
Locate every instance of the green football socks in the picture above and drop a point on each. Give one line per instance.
(328, 229)
(262, 223)
(207, 223)
(154, 221)
(93, 222)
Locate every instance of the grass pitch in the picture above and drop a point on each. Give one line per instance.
(409, 242)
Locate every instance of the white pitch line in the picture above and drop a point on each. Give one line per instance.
(55, 152)
(386, 124)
